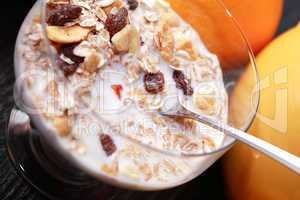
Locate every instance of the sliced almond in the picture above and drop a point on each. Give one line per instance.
(93, 62)
(127, 40)
(62, 125)
(67, 35)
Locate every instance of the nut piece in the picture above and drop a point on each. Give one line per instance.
(62, 125)
(93, 62)
(66, 35)
(127, 40)
(116, 4)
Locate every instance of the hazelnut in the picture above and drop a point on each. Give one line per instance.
(127, 40)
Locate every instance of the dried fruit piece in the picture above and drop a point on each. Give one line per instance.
(68, 69)
(133, 4)
(62, 125)
(108, 144)
(154, 83)
(116, 22)
(127, 40)
(67, 50)
(67, 35)
(118, 90)
(182, 83)
(63, 14)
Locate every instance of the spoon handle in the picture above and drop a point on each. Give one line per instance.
(289, 160)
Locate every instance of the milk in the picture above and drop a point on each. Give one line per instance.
(148, 152)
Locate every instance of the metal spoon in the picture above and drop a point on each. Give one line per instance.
(289, 160)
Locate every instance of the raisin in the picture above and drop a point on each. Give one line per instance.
(154, 82)
(62, 14)
(68, 49)
(108, 144)
(133, 4)
(182, 83)
(116, 22)
(118, 90)
(68, 69)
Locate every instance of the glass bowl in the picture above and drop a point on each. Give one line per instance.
(205, 17)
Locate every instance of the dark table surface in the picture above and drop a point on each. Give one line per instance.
(11, 185)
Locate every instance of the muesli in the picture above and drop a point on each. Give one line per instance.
(115, 62)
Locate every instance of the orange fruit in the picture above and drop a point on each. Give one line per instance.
(259, 20)
(249, 174)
